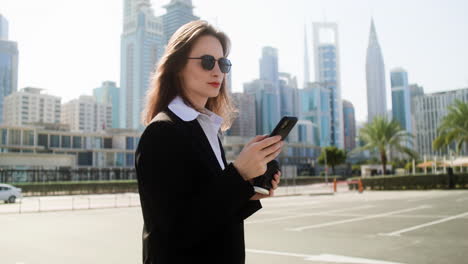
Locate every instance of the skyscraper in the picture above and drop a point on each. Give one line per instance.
(266, 91)
(245, 123)
(314, 105)
(327, 71)
(8, 64)
(108, 93)
(349, 121)
(375, 77)
(289, 105)
(430, 110)
(142, 44)
(141, 47)
(401, 105)
(266, 105)
(3, 28)
(306, 59)
(179, 12)
(269, 65)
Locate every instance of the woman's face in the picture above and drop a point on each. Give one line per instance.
(200, 84)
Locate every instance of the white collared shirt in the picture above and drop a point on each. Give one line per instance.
(209, 121)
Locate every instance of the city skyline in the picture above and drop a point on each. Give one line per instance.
(431, 44)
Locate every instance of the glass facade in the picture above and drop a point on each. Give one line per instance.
(54, 141)
(8, 71)
(401, 104)
(77, 142)
(110, 150)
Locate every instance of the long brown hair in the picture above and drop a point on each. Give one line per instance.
(165, 83)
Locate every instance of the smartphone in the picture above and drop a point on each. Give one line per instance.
(284, 126)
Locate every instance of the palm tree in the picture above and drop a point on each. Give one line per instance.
(454, 127)
(333, 156)
(382, 135)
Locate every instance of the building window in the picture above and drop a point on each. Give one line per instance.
(76, 142)
(98, 142)
(110, 159)
(54, 141)
(129, 143)
(107, 143)
(42, 140)
(28, 137)
(14, 137)
(4, 136)
(130, 160)
(66, 142)
(120, 159)
(85, 158)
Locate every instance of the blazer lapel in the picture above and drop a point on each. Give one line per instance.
(200, 144)
(223, 155)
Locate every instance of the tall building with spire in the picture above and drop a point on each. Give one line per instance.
(327, 72)
(375, 78)
(8, 65)
(179, 12)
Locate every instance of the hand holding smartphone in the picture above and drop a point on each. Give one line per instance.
(262, 184)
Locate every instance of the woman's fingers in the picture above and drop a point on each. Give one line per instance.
(268, 141)
(276, 180)
(256, 139)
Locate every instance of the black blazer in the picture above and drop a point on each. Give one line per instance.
(193, 210)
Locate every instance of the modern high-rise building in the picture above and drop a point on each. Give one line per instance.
(269, 65)
(415, 91)
(349, 121)
(29, 106)
(430, 110)
(267, 108)
(8, 65)
(401, 104)
(327, 72)
(245, 123)
(314, 105)
(143, 41)
(375, 77)
(3, 28)
(86, 115)
(306, 59)
(142, 44)
(108, 93)
(266, 92)
(288, 94)
(178, 13)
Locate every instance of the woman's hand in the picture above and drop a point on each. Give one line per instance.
(275, 183)
(253, 159)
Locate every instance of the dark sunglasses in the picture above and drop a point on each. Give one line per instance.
(208, 62)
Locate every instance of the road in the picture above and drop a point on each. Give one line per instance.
(348, 227)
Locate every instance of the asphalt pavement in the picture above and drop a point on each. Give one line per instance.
(346, 227)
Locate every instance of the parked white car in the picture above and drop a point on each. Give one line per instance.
(9, 193)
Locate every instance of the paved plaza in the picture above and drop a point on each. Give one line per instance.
(347, 227)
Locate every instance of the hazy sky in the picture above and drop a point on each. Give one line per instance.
(70, 47)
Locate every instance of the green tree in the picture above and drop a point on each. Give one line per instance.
(382, 135)
(454, 127)
(334, 157)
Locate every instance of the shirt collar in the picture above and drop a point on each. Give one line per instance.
(187, 113)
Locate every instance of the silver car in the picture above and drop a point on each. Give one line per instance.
(9, 193)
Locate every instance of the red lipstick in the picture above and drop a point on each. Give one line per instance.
(214, 84)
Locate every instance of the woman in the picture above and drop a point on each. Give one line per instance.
(193, 202)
